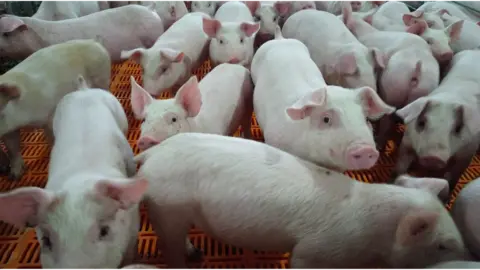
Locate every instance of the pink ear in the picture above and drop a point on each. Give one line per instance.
(347, 15)
(454, 30)
(211, 27)
(418, 28)
(415, 227)
(346, 64)
(139, 99)
(283, 7)
(172, 55)
(9, 91)
(10, 23)
(136, 55)
(125, 193)
(379, 57)
(252, 6)
(373, 104)
(412, 17)
(412, 110)
(438, 187)
(24, 206)
(189, 97)
(249, 28)
(303, 107)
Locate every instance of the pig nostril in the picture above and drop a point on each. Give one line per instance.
(357, 156)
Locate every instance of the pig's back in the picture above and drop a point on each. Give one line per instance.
(391, 42)
(234, 12)
(462, 79)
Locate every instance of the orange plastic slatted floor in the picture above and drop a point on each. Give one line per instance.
(20, 249)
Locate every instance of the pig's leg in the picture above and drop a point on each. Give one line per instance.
(17, 164)
(304, 256)
(405, 159)
(193, 253)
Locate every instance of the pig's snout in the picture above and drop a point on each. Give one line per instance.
(445, 57)
(146, 142)
(356, 5)
(432, 162)
(361, 157)
(234, 61)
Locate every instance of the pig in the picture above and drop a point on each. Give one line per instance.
(263, 198)
(342, 60)
(23, 36)
(169, 11)
(87, 214)
(388, 17)
(464, 212)
(433, 19)
(453, 9)
(170, 61)
(218, 104)
(64, 10)
(299, 113)
(208, 7)
(411, 71)
(469, 36)
(335, 7)
(417, 182)
(457, 265)
(30, 91)
(444, 147)
(268, 13)
(232, 34)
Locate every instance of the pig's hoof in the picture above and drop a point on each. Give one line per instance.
(195, 255)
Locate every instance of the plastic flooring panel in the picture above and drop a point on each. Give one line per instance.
(20, 249)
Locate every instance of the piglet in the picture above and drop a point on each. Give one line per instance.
(218, 104)
(233, 33)
(442, 129)
(63, 10)
(207, 7)
(469, 36)
(387, 17)
(140, 27)
(262, 198)
(342, 60)
(299, 113)
(169, 11)
(456, 265)
(169, 63)
(87, 215)
(267, 13)
(30, 91)
(465, 214)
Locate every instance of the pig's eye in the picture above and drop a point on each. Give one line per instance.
(104, 230)
(209, 4)
(429, 41)
(421, 123)
(46, 243)
(275, 18)
(257, 18)
(458, 129)
(429, 23)
(241, 40)
(441, 247)
(6, 34)
(220, 41)
(174, 119)
(326, 120)
(163, 70)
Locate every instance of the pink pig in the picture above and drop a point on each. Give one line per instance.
(442, 129)
(23, 36)
(299, 113)
(218, 104)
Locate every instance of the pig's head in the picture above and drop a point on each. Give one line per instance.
(354, 66)
(438, 127)
(207, 7)
(170, 11)
(338, 133)
(268, 16)
(90, 229)
(165, 118)
(162, 68)
(438, 40)
(232, 42)
(426, 233)
(433, 19)
(17, 41)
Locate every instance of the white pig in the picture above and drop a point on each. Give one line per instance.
(265, 199)
(30, 91)
(208, 7)
(469, 36)
(267, 13)
(433, 19)
(342, 60)
(169, 11)
(442, 129)
(233, 33)
(299, 113)
(169, 63)
(63, 10)
(87, 215)
(388, 17)
(218, 104)
(140, 27)
(465, 215)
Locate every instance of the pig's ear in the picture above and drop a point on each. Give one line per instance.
(252, 6)
(373, 105)
(189, 97)
(283, 7)
(380, 59)
(9, 24)
(249, 29)
(346, 64)
(139, 99)
(412, 17)
(172, 55)
(347, 15)
(9, 91)
(303, 107)
(25, 206)
(453, 30)
(412, 110)
(135, 54)
(211, 27)
(126, 193)
(438, 187)
(418, 28)
(416, 227)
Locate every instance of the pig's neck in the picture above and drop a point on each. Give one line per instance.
(363, 28)
(47, 32)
